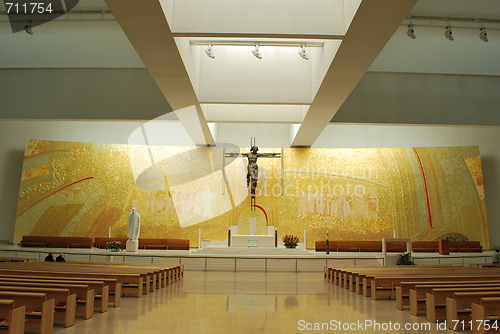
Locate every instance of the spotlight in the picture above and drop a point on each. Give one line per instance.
(410, 32)
(256, 52)
(28, 27)
(303, 52)
(209, 52)
(448, 33)
(483, 35)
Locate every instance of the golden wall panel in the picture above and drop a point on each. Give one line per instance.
(84, 189)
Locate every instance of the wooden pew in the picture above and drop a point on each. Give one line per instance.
(384, 286)
(131, 284)
(458, 308)
(39, 310)
(403, 290)
(435, 302)
(80, 288)
(84, 295)
(130, 281)
(418, 295)
(64, 302)
(486, 315)
(11, 317)
(134, 282)
(113, 287)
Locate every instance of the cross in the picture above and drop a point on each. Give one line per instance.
(253, 168)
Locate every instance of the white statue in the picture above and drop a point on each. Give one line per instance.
(134, 225)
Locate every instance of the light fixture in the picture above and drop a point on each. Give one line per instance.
(302, 53)
(28, 27)
(256, 52)
(483, 35)
(209, 52)
(448, 33)
(411, 32)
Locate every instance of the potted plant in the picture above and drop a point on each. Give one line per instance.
(114, 246)
(290, 241)
(405, 259)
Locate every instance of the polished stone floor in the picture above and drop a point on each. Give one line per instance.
(243, 302)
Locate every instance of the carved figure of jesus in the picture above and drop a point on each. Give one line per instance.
(253, 168)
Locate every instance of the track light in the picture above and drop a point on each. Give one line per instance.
(209, 52)
(256, 52)
(411, 32)
(448, 33)
(483, 35)
(28, 27)
(303, 53)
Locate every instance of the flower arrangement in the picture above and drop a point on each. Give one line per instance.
(114, 245)
(290, 241)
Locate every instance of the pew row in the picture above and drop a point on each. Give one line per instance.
(459, 307)
(39, 310)
(435, 302)
(64, 301)
(11, 317)
(486, 315)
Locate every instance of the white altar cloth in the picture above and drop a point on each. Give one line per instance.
(252, 240)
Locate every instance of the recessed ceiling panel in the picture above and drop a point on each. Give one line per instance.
(236, 75)
(254, 113)
(323, 17)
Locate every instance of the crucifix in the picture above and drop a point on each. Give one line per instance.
(253, 168)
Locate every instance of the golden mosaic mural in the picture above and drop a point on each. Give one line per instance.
(86, 189)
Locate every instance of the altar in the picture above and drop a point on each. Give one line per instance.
(252, 241)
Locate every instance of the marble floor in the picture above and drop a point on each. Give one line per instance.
(228, 302)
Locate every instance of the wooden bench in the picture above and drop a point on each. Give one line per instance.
(158, 243)
(130, 281)
(435, 302)
(465, 246)
(459, 307)
(11, 317)
(403, 290)
(56, 242)
(101, 292)
(64, 301)
(486, 315)
(418, 295)
(83, 295)
(384, 286)
(110, 284)
(425, 246)
(131, 284)
(348, 246)
(39, 310)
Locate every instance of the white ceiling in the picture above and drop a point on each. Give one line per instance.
(281, 87)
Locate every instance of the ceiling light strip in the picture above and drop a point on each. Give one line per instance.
(253, 43)
(255, 36)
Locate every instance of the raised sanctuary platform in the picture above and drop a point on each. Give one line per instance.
(223, 258)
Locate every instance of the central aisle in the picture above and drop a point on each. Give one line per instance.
(228, 302)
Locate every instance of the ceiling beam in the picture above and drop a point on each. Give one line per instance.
(146, 27)
(370, 30)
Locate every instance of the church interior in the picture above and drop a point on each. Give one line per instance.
(250, 166)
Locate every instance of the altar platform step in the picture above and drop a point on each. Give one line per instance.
(253, 251)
